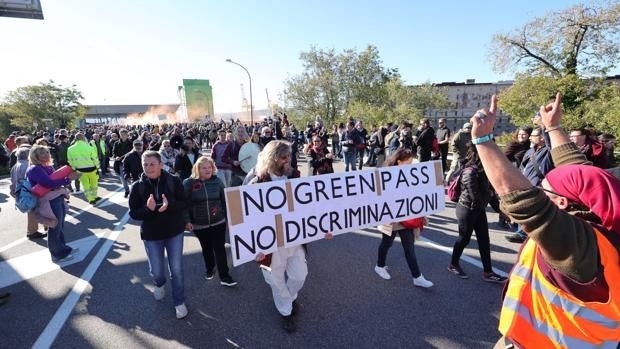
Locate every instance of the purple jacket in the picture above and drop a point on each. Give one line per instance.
(39, 174)
(222, 155)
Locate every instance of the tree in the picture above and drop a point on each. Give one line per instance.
(580, 40)
(356, 84)
(330, 82)
(33, 104)
(569, 51)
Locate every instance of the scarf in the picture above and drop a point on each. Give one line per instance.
(592, 187)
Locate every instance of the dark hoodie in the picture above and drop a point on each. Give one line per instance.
(156, 225)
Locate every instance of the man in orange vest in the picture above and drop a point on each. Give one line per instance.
(564, 290)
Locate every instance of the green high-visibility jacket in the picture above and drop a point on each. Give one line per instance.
(82, 155)
(93, 144)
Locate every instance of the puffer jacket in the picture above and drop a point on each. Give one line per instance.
(475, 188)
(206, 202)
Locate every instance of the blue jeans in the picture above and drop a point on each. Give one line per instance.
(349, 160)
(55, 236)
(123, 180)
(155, 254)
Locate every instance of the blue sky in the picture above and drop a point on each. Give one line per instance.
(138, 51)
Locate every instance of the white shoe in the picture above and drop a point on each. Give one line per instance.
(420, 281)
(159, 293)
(181, 311)
(382, 272)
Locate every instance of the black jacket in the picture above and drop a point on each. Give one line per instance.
(475, 188)
(132, 165)
(156, 225)
(425, 143)
(206, 202)
(183, 166)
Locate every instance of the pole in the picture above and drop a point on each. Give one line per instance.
(251, 100)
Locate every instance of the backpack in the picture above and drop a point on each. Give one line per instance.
(25, 201)
(454, 188)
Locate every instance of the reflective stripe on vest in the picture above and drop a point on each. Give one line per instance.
(537, 314)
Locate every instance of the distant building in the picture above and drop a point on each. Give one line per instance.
(465, 99)
(198, 99)
(123, 114)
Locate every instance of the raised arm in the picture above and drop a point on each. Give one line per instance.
(503, 176)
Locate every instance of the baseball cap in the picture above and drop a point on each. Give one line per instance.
(466, 125)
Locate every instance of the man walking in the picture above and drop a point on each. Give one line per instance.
(83, 158)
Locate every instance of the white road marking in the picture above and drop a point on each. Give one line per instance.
(434, 245)
(69, 218)
(51, 331)
(34, 264)
(13, 244)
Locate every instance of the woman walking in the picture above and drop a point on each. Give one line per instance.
(53, 204)
(402, 156)
(471, 216)
(206, 207)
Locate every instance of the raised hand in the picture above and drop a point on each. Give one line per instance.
(150, 203)
(551, 114)
(164, 205)
(483, 120)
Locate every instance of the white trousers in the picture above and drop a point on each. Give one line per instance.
(287, 276)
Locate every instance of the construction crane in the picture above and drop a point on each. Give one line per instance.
(245, 106)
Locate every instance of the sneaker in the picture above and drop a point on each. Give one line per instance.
(228, 281)
(492, 277)
(97, 198)
(78, 191)
(159, 293)
(456, 270)
(4, 297)
(382, 271)
(288, 323)
(92, 202)
(36, 235)
(420, 281)
(516, 238)
(295, 309)
(209, 275)
(181, 311)
(66, 258)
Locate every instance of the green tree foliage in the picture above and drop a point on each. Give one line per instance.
(337, 85)
(603, 112)
(580, 40)
(567, 51)
(30, 105)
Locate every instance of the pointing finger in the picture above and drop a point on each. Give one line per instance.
(493, 107)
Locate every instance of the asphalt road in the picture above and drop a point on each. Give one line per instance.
(103, 298)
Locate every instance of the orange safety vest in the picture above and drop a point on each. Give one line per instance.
(537, 314)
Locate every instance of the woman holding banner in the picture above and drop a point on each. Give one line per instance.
(405, 230)
(206, 210)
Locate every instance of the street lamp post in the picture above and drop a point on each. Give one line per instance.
(249, 78)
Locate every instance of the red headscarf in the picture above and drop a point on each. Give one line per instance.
(592, 187)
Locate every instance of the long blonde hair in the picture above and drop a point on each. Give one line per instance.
(268, 157)
(196, 168)
(35, 153)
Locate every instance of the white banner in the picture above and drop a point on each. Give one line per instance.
(266, 216)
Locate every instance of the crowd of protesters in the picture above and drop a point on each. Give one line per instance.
(173, 187)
